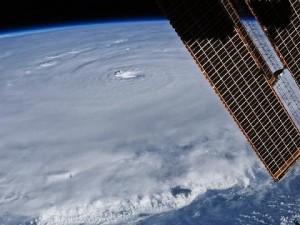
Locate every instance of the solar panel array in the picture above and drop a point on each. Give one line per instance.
(230, 7)
(281, 22)
(221, 46)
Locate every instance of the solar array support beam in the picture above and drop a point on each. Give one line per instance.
(219, 43)
(280, 20)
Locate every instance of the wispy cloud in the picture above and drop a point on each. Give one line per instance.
(79, 145)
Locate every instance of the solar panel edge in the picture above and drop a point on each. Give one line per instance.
(287, 166)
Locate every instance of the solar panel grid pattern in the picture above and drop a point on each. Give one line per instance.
(237, 79)
(230, 6)
(286, 39)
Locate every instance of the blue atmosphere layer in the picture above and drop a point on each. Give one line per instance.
(34, 29)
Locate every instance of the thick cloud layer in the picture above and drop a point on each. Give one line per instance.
(100, 124)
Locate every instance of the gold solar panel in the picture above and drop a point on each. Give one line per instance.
(280, 20)
(219, 43)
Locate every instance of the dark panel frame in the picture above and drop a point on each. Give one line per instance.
(216, 38)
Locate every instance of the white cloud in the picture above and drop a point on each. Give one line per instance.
(80, 145)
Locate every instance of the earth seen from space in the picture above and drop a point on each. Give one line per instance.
(113, 123)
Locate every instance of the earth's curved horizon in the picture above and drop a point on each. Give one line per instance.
(113, 123)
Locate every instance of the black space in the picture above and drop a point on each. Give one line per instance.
(29, 13)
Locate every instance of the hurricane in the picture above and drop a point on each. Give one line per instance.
(113, 123)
